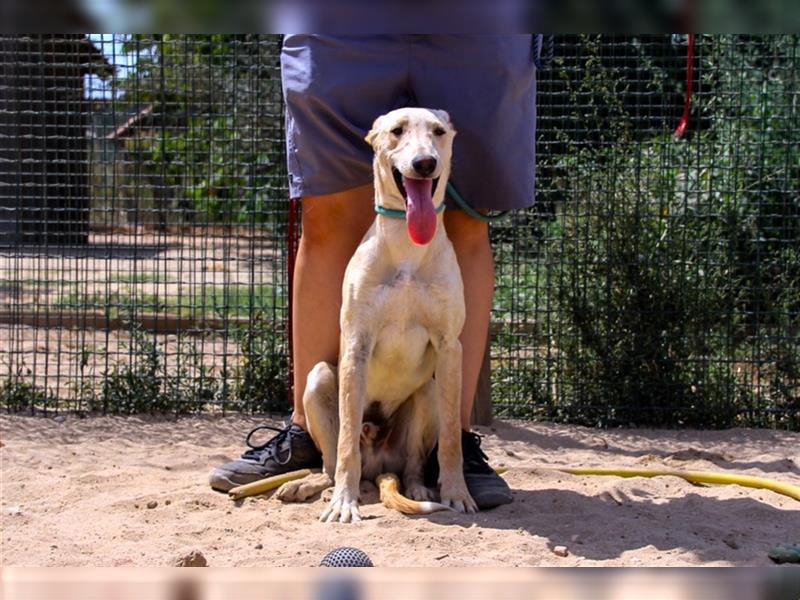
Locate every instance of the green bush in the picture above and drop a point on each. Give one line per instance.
(641, 316)
(665, 287)
(18, 395)
(261, 379)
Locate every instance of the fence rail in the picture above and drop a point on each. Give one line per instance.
(143, 231)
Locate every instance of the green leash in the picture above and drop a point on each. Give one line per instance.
(463, 205)
(396, 213)
(453, 192)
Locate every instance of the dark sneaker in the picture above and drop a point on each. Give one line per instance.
(290, 449)
(486, 487)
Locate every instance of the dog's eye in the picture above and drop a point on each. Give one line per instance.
(398, 131)
(439, 131)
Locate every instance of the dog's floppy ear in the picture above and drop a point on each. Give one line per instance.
(443, 116)
(373, 133)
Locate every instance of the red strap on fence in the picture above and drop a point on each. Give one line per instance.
(684, 122)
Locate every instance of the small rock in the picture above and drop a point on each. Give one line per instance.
(167, 502)
(259, 546)
(576, 539)
(59, 419)
(194, 558)
(511, 453)
(731, 542)
(15, 511)
(167, 467)
(560, 551)
(135, 506)
(152, 504)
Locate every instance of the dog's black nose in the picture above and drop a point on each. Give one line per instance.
(424, 165)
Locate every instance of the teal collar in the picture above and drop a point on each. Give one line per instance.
(395, 213)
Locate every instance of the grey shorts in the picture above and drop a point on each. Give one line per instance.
(335, 87)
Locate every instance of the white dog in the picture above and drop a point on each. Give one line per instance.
(399, 373)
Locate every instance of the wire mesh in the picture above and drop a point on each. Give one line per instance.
(656, 281)
(143, 221)
(144, 215)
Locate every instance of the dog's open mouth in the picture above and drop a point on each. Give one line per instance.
(398, 179)
(420, 212)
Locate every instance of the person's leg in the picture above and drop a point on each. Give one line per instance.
(487, 84)
(470, 239)
(333, 226)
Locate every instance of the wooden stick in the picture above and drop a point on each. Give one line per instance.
(265, 485)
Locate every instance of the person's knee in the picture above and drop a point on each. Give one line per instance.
(467, 234)
(319, 229)
(336, 220)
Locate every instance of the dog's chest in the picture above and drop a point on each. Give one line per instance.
(409, 316)
(411, 297)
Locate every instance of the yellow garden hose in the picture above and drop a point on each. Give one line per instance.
(779, 487)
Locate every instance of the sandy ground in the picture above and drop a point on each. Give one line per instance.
(78, 492)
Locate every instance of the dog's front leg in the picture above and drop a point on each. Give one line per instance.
(453, 489)
(352, 388)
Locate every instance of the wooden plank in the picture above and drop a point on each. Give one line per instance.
(159, 323)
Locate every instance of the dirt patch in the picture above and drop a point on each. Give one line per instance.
(76, 493)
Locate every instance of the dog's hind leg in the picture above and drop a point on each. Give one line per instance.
(320, 402)
(421, 432)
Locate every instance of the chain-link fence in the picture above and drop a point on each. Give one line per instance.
(144, 231)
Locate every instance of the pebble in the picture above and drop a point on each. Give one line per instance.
(167, 502)
(731, 542)
(59, 419)
(560, 551)
(259, 546)
(194, 558)
(152, 504)
(15, 510)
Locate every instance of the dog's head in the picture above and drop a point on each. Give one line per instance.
(413, 148)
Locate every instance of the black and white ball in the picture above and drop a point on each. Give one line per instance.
(346, 557)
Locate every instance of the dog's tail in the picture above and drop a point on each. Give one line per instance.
(389, 486)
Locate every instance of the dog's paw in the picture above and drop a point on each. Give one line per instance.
(458, 498)
(343, 507)
(417, 491)
(302, 489)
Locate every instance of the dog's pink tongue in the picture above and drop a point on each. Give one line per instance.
(420, 213)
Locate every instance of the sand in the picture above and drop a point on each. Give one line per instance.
(106, 491)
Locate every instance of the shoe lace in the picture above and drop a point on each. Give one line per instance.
(474, 457)
(271, 446)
